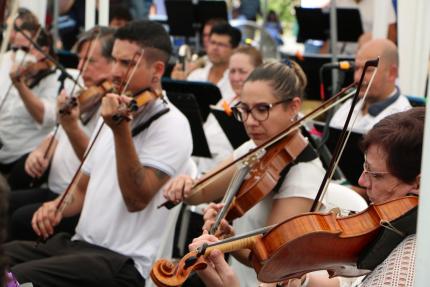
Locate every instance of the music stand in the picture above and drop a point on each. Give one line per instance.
(314, 24)
(187, 104)
(205, 93)
(186, 18)
(311, 65)
(232, 128)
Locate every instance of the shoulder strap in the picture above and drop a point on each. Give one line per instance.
(136, 130)
(308, 154)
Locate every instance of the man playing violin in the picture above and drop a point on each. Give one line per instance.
(119, 228)
(270, 102)
(392, 168)
(67, 146)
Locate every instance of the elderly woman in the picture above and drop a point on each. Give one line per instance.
(392, 169)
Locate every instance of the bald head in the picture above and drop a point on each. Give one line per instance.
(383, 48)
(385, 79)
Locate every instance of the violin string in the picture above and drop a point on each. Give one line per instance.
(21, 63)
(133, 71)
(351, 125)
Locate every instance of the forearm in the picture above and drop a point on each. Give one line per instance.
(32, 103)
(74, 201)
(138, 184)
(77, 137)
(43, 147)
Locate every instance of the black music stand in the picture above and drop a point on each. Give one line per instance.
(186, 18)
(187, 104)
(314, 24)
(311, 65)
(232, 128)
(206, 93)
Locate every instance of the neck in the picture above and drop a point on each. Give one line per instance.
(216, 73)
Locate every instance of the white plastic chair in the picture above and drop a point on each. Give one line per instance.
(344, 198)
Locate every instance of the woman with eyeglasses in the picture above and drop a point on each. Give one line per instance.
(392, 169)
(270, 101)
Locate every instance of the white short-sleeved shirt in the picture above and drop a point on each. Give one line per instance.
(165, 145)
(65, 162)
(365, 122)
(202, 75)
(19, 132)
(302, 180)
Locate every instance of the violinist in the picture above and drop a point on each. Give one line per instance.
(392, 168)
(270, 101)
(118, 232)
(25, 107)
(67, 147)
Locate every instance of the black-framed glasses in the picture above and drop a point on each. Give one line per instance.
(26, 49)
(260, 111)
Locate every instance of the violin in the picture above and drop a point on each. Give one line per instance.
(88, 98)
(139, 99)
(298, 245)
(32, 73)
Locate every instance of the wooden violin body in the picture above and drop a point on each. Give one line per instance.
(302, 244)
(265, 174)
(317, 241)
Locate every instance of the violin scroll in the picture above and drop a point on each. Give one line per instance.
(165, 273)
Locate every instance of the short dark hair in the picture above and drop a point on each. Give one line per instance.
(29, 20)
(150, 36)
(228, 30)
(400, 136)
(119, 11)
(105, 36)
(45, 39)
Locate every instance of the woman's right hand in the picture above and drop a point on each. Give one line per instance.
(46, 218)
(178, 188)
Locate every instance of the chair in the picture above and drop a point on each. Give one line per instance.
(344, 198)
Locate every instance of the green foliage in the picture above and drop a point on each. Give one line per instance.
(284, 9)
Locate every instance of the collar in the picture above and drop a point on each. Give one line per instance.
(376, 108)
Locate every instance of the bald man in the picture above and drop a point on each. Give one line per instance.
(384, 98)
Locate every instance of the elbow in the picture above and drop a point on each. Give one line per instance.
(135, 204)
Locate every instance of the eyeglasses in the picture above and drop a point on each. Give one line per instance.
(372, 174)
(219, 44)
(23, 48)
(260, 112)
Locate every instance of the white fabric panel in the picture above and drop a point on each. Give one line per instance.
(422, 260)
(90, 14)
(38, 7)
(414, 45)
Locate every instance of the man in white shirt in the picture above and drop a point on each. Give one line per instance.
(384, 98)
(67, 149)
(118, 233)
(223, 40)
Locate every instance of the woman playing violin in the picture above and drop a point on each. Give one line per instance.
(392, 168)
(270, 101)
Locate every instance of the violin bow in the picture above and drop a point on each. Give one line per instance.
(340, 97)
(88, 54)
(343, 138)
(67, 193)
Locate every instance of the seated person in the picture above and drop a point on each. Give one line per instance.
(242, 62)
(223, 40)
(392, 169)
(119, 186)
(269, 102)
(67, 149)
(384, 98)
